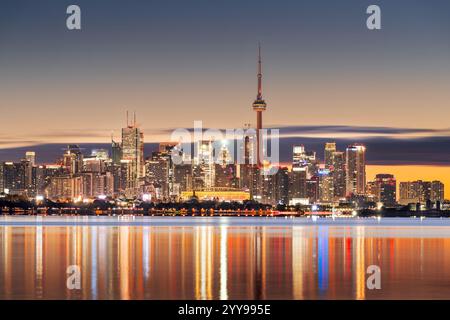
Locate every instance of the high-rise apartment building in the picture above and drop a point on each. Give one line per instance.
(330, 149)
(338, 173)
(421, 191)
(355, 169)
(326, 190)
(437, 191)
(14, 178)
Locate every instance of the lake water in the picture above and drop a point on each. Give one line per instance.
(223, 258)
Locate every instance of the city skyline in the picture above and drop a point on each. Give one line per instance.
(76, 161)
(350, 94)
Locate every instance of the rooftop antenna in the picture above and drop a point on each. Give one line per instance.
(127, 118)
(134, 119)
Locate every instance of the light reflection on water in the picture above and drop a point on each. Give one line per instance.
(224, 261)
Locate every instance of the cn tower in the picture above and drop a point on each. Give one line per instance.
(259, 106)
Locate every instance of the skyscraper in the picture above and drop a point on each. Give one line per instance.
(14, 178)
(225, 170)
(282, 188)
(326, 191)
(31, 157)
(297, 185)
(355, 169)
(204, 165)
(159, 170)
(116, 152)
(133, 150)
(298, 156)
(73, 159)
(338, 173)
(326, 181)
(246, 169)
(28, 166)
(304, 159)
(330, 148)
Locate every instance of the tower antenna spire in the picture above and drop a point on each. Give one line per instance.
(259, 97)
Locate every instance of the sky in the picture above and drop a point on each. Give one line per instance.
(326, 76)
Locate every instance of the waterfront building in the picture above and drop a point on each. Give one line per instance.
(437, 191)
(421, 191)
(133, 151)
(282, 186)
(383, 189)
(297, 185)
(217, 195)
(386, 189)
(326, 190)
(13, 178)
(28, 166)
(355, 169)
(338, 173)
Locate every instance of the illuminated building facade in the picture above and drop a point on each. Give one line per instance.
(386, 189)
(13, 178)
(205, 166)
(437, 191)
(297, 185)
(73, 159)
(355, 169)
(421, 191)
(133, 151)
(326, 190)
(330, 149)
(338, 173)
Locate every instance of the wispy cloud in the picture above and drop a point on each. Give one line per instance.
(342, 131)
(385, 145)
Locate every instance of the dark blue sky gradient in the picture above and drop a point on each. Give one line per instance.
(176, 61)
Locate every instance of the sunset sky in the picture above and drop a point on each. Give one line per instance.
(326, 76)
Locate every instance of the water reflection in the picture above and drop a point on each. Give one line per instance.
(219, 262)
